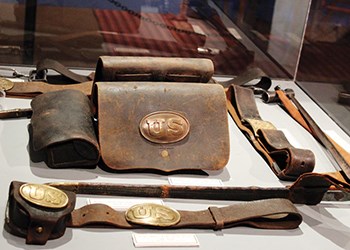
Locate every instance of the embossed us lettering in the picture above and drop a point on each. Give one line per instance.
(44, 195)
(142, 212)
(164, 127)
(152, 214)
(163, 214)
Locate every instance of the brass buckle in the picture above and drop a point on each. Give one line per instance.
(152, 215)
(257, 124)
(164, 127)
(5, 84)
(44, 195)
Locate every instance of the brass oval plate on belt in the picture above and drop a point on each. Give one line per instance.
(164, 127)
(44, 195)
(152, 215)
(5, 84)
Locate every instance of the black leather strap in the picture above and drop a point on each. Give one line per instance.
(44, 65)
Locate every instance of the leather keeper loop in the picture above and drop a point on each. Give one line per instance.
(292, 162)
(217, 217)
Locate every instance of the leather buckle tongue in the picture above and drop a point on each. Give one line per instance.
(150, 214)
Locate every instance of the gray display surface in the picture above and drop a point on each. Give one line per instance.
(325, 226)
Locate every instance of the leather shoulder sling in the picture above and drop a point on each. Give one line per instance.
(287, 162)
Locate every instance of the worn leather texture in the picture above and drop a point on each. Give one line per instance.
(286, 161)
(265, 214)
(38, 224)
(124, 68)
(24, 219)
(122, 106)
(32, 89)
(62, 131)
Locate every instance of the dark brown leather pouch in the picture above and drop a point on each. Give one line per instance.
(62, 131)
(161, 125)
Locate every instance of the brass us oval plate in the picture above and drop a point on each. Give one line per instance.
(164, 127)
(6, 84)
(152, 215)
(44, 195)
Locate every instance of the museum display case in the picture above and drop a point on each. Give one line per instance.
(230, 117)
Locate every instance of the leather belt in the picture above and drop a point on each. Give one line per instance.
(40, 74)
(286, 161)
(41, 212)
(32, 89)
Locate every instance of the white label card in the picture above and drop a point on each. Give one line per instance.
(122, 204)
(165, 240)
(184, 181)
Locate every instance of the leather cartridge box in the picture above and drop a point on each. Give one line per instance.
(162, 125)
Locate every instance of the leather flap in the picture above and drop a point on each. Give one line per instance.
(62, 126)
(164, 126)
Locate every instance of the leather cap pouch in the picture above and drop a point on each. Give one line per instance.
(62, 131)
(38, 213)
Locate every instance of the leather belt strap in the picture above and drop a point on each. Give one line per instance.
(268, 214)
(43, 66)
(32, 89)
(31, 214)
(248, 76)
(287, 162)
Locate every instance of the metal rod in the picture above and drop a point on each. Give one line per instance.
(322, 137)
(16, 113)
(307, 190)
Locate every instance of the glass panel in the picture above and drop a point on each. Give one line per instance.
(324, 69)
(324, 55)
(235, 34)
(275, 26)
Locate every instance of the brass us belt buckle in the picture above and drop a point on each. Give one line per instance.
(5, 84)
(44, 195)
(152, 215)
